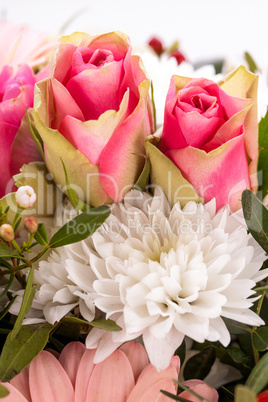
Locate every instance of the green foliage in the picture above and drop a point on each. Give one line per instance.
(3, 391)
(256, 217)
(81, 227)
(258, 378)
(244, 394)
(20, 351)
(263, 156)
(41, 235)
(200, 364)
(25, 305)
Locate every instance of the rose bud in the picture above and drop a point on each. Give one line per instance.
(25, 196)
(179, 56)
(7, 232)
(210, 138)
(101, 93)
(30, 224)
(156, 45)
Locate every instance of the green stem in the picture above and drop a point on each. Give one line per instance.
(16, 217)
(258, 311)
(15, 244)
(31, 237)
(33, 260)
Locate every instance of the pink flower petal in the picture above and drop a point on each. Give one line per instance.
(8, 133)
(214, 174)
(70, 359)
(91, 137)
(14, 395)
(137, 357)
(112, 379)
(202, 389)
(196, 128)
(48, 380)
(151, 379)
(153, 393)
(23, 149)
(84, 372)
(117, 42)
(97, 90)
(125, 165)
(63, 104)
(21, 383)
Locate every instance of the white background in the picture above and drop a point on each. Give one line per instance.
(205, 28)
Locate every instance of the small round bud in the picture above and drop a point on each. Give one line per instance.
(25, 196)
(156, 45)
(30, 224)
(7, 232)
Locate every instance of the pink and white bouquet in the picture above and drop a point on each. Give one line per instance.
(133, 251)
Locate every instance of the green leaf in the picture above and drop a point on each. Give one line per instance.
(258, 378)
(7, 308)
(153, 104)
(107, 325)
(200, 364)
(236, 354)
(263, 156)
(81, 227)
(251, 63)
(75, 201)
(173, 397)
(27, 344)
(25, 305)
(235, 327)
(3, 391)
(260, 338)
(244, 394)
(7, 252)
(143, 179)
(36, 136)
(41, 235)
(9, 283)
(256, 217)
(5, 263)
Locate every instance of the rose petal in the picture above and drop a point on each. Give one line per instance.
(96, 91)
(23, 149)
(125, 165)
(91, 137)
(83, 177)
(8, 133)
(242, 83)
(214, 174)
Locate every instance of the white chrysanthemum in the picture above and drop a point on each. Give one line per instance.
(64, 282)
(168, 273)
(158, 272)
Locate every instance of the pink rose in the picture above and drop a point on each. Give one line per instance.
(16, 144)
(210, 133)
(94, 114)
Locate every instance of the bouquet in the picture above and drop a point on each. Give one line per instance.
(133, 244)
